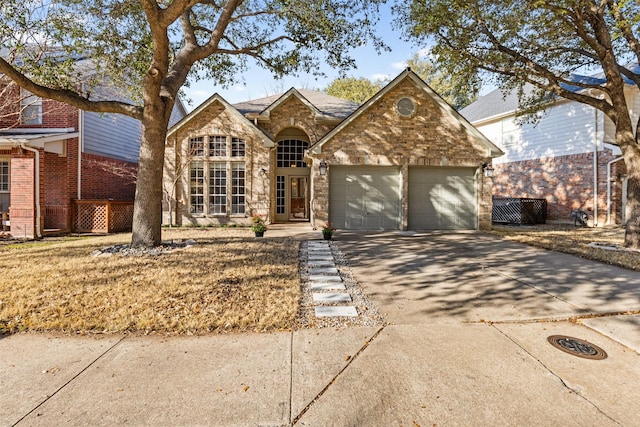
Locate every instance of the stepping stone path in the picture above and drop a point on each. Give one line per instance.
(326, 283)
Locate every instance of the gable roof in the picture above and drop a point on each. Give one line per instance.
(495, 103)
(266, 139)
(493, 150)
(323, 105)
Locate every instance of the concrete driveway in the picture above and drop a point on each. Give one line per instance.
(466, 344)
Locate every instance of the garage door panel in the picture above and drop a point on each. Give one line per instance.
(365, 197)
(442, 198)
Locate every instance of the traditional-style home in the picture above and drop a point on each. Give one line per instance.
(403, 160)
(54, 156)
(567, 157)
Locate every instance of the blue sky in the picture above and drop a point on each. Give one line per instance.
(259, 83)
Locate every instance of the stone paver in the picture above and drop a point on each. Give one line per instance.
(331, 297)
(334, 311)
(324, 286)
(323, 270)
(324, 278)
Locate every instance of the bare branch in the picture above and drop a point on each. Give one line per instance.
(68, 96)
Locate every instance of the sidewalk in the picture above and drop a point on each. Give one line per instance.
(466, 344)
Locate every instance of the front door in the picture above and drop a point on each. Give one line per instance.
(298, 198)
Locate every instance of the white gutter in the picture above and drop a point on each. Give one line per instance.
(80, 148)
(595, 173)
(609, 187)
(37, 183)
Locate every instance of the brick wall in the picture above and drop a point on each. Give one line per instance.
(566, 182)
(55, 114)
(105, 178)
(23, 213)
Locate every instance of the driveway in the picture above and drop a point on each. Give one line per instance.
(467, 342)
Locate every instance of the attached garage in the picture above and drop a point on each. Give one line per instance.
(442, 198)
(365, 197)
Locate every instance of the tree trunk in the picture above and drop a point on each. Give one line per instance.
(147, 207)
(632, 232)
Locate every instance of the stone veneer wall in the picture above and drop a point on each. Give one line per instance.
(380, 136)
(566, 182)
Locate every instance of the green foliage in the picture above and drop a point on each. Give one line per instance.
(542, 44)
(353, 89)
(457, 92)
(43, 39)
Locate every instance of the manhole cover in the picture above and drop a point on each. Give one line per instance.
(577, 347)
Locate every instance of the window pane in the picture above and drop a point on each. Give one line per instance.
(280, 194)
(291, 153)
(218, 146)
(4, 175)
(196, 146)
(237, 147)
(30, 108)
(196, 188)
(237, 188)
(218, 188)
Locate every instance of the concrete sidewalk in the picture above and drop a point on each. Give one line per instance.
(466, 344)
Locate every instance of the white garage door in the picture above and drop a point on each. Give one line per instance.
(442, 198)
(365, 197)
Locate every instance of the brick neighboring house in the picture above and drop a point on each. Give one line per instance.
(403, 160)
(52, 153)
(568, 157)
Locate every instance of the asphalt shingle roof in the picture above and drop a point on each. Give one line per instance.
(327, 104)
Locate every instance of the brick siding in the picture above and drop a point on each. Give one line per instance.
(566, 182)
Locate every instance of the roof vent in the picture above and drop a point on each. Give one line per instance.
(405, 107)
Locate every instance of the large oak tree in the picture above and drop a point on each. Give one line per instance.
(547, 44)
(154, 47)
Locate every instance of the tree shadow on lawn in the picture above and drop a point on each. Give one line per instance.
(229, 284)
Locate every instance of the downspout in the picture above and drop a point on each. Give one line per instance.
(80, 148)
(37, 183)
(609, 187)
(595, 174)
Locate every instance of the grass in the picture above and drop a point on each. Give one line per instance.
(229, 282)
(575, 241)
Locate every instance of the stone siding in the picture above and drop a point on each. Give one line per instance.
(382, 137)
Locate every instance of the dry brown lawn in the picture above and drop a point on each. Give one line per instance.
(575, 241)
(229, 281)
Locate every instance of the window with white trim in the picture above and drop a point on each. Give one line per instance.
(237, 188)
(220, 165)
(30, 108)
(4, 176)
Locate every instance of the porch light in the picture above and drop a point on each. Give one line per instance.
(323, 168)
(488, 170)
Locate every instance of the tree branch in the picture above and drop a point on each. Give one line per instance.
(68, 96)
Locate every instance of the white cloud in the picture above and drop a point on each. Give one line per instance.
(379, 76)
(399, 65)
(240, 88)
(425, 52)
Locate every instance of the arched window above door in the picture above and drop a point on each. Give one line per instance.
(291, 153)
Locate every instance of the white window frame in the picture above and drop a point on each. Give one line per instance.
(230, 201)
(30, 108)
(5, 178)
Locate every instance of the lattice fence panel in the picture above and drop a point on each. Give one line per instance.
(91, 218)
(121, 217)
(511, 210)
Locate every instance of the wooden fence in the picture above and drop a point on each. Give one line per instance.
(102, 216)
